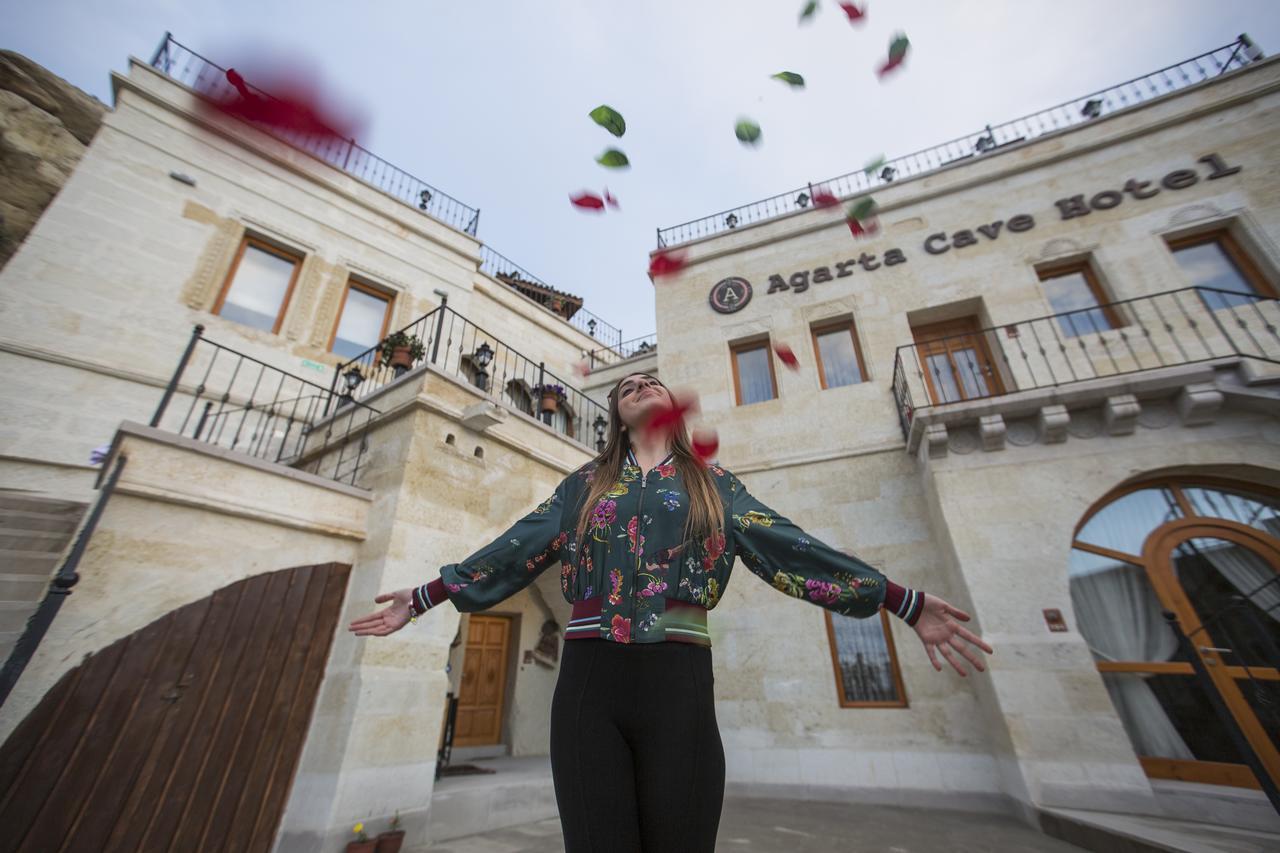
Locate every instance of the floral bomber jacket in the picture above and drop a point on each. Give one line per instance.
(634, 580)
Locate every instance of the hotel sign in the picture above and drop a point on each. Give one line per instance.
(732, 294)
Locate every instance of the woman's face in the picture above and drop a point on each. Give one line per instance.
(640, 396)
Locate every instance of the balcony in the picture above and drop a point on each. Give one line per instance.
(1100, 363)
(990, 140)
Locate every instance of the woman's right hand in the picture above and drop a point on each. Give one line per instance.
(389, 619)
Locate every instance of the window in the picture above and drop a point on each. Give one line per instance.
(1078, 300)
(258, 287)
(753, 379)
(839, 356)
(362, 320)
(955, 360)
(1216, 261)
(865, 662)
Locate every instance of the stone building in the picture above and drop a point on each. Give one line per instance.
(1044, 386)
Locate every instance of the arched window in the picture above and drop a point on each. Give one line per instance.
(519, 397)
(1207, 551)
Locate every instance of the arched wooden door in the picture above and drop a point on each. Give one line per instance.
(183, 736)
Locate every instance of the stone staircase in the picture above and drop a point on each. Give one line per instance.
(34, 535)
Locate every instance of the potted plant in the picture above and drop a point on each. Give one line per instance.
(390, 841)
(400, 351)
(552, 396)
(362, 844)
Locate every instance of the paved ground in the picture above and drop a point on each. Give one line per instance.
(796, 826)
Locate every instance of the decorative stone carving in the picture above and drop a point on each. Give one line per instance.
(1053, 422)
(963, 441)
(993, 432)
(1120, 414)
(1156, 414)
(1193, 213)
(1198, 404)
(1085, 423)
(1060, 246)
(1023, 433)
(201, 290)
(331, 292)
(935, 440)
(480, 416)
(303, 302)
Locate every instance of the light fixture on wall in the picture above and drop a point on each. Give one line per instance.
(888, 173)
(600, 427)
(731, 220)
(352, 378)
(985, 143)
(1092, 108)
(481, 358)
(424, 199)
(802, 200)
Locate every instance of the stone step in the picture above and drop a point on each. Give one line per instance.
(48, 541)
(28, 562)
(23, 587)
(14, 615)
(56, 522)
(31, 503)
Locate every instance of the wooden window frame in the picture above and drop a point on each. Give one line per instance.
(747, 346)
(372, 291)
(826, 328)
(1245, 264)
(1085, 267)
(893, 664)
(270, 248)
(928, 340)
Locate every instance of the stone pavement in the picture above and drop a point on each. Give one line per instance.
(798, 826)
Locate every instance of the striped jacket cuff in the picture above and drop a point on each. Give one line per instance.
(429, 595)
(903, 602)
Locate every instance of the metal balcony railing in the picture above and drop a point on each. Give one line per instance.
(210, 80)
(235, 401)
(991, 139)
(1184, 326)
(605, 356)
(455, 345)
(494, 264)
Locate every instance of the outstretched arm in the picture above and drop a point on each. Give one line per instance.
(802, 566)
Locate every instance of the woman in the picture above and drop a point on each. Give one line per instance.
(646, 535)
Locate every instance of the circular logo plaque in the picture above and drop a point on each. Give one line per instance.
(730, 294)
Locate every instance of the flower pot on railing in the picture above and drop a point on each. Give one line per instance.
(551, 396)
(390, 842)
(362, 843)
(399, 351)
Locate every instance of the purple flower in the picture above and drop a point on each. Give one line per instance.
(821, 591)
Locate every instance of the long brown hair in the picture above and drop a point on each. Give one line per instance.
(706, 510)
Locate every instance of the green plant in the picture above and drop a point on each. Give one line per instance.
(358, 829)
(395, 821)
(395, 341)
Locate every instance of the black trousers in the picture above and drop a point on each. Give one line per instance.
(635, 750)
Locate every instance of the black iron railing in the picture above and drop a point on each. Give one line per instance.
(494, 264)
(210, 80)
(605, 356)
(989, 140)
(455, 345)
(232, 400)
(1161, 330)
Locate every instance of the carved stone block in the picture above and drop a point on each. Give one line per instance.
(993, 430)
(1199, 404)
(935, 440)
(1053, 422)
(480, 416)
(1120, 414)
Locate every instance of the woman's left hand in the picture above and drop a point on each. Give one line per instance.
(941, 634)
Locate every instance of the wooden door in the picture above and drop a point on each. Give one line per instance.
(1235, 634)
(955, 361)
(183, 736)
(484, 681)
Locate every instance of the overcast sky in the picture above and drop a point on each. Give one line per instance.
(488, 101)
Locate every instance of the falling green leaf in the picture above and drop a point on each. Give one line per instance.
(612, 158)
(874, 165)
(610, 119)
(861, 208)
(747, 131)
(898, 47)
(809, 9)
(790, 78)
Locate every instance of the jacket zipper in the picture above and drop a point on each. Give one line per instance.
(635, 578)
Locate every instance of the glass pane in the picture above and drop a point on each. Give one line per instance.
(1208, 265)
(1236, 594)
(1071, 293)
(1117, 611)
(944, 383)
(361, 324)
(1169, 716)
(970, 370)
(1124, 524)
(258, 289)
(1263, 698)
(866, 671)
(1243, 507)
(753, 375)
(839, 361)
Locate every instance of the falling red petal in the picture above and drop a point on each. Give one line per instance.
(582, 368)
(705, 443)
(889, 66)
(610, 200)
(672, 416)
(667, 263)
(857, 229)
(788, 357)
(823, 199)
(587, 201)
(855, 14)
(282, 102)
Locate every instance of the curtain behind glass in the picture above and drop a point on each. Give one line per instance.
(754, 378)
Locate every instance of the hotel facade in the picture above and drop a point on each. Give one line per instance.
(1045, 386)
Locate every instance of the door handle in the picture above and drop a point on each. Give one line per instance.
(1207, 649)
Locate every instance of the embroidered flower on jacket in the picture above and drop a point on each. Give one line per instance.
(620, 628)
(802, 544)
(632, 532)
(822, 591)
(605, 514)
(713, 592)
(615, 594)
(753, 517)
(714, 547)
(666, 471)
(654, 588)
(790, 584)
